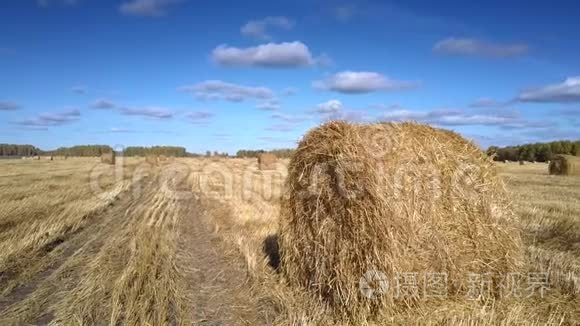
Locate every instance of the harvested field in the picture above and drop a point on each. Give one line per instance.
(196, 242)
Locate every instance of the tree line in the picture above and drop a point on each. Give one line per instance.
(280, 153)
(80, 150)
(536, 152)
(174, 151)
(18, 150)
(91, 151)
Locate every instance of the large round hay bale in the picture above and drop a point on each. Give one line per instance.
(389, 199)
(267, 161)
(565, 165)
(108, 158)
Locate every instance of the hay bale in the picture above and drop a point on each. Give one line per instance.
(391, 198)
(506, 161)
(108, 158)
(267, 161)
(564, 165)
(151, 159)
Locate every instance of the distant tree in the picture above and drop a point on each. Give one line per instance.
(540, 152)
(18, 150)
(172, 151)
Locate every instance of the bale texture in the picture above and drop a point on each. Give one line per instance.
(108, 158)
(392, 198)
(267, 161)
(565, 165)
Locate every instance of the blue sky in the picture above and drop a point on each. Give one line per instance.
(224, 75)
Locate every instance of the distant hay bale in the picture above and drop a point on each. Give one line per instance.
(506, 161)
(267, 161)
(564, 165)
(392, 199)
(108, 158)
(151, 159)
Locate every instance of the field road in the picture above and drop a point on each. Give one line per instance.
(148, 257)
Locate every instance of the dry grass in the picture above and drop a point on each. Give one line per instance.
(87, 243)
(122, 250)
(548, 208)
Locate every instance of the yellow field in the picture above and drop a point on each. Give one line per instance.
(193, 241)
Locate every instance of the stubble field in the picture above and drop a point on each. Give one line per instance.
(194, 241)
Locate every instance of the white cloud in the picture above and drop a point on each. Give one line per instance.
(507, 120)
(259, 28)
(470, 46)
(200, 117)
(281, 127)
(271, 55)
(331, 106)
(52, 119)
(289, 91)
(402, 115)
(289, 118)
(269, 105)
(487, 103)
(357, 82)
(120, 130)
(150, 112)
(8, 106)
(356, 116)
(335, 110)
(567, 91)
(148, 8)
(103, 104)
(217, 89)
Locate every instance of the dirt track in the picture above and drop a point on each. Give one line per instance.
(216, 280)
